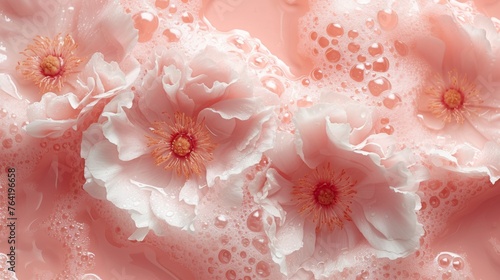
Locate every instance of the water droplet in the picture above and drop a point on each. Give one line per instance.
(247, 269)
(388, 19)
(254, 221)
(314, 36)
(243, 254)
(220, 221)
(434, 201)
(13, 129)
(187, 17)
(363, 275)
(334, 30)
(169, 214)
(305, 102)
(162, 4)
(387, 129)
(240, 43)
(375, 49)
(230, 274)
(3, 113)
(262, 269)
(357, 72)
(258, 61)
(458, 263)
(378, 86)
(146, 23)
(273, 84)
(353, 47)
(381, 64)
(317, 74)
(323, 42)
(391, 101)
(7, 143)
(401, 48)
(172, 9)
(444, 193)
(444, 260)
(332, 55)
(245, 242)
(172, 34)
(370, 23)
(261, 244)
(352, 34)
(224, 256)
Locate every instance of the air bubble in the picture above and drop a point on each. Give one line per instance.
(357, 72)
(313, 36)
(273, 84)
(230, 274)
(444, 193)
(458, 263)
(162, 4)
(323, 42)
(224, 256)
(240, 43)
(220, 221)
(13, 129)
(146, 23)
(334, 30)
(363, 275)
(245, 242)
(391, 101)
(381, 64)
(387, 129)
(444, 260)
(258, 61)
(375, 49)
(262, 269)
(370, 23)
(352, 34)
(317, 74)
(434, 201)
(378, 86)
(388, 19)
(261, 244)
(187, 17)
(172, 34)
(353, 47)
(7, 143)
(332, 55)
(401, 48)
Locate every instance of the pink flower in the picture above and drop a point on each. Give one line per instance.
(334, 186)
(194, 123)
(460, 100)
(65, 56)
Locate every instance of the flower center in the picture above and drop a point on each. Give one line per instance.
(49, 62)
(453, 99)
(182, 145)
(325, 194)
(51, 66)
